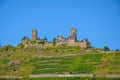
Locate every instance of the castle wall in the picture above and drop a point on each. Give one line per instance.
(50, 44)
(80, 44)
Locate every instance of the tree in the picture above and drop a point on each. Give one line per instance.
(42, 42)
(54, 41)
(106, 48)
(0, 46)
(89, 44)
(117, 50)
(45, 39)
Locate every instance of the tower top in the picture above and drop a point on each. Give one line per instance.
(73, 31)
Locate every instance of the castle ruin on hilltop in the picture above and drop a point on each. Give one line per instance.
(70, 41)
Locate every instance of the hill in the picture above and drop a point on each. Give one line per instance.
(58, 60)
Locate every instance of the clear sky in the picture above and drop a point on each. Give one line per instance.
(96, 20)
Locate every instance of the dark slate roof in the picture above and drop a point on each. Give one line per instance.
(24, 38)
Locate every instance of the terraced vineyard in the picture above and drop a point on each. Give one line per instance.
(114, 68)
(52, 65)
(86, 63)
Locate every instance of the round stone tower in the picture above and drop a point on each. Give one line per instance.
(34, 35)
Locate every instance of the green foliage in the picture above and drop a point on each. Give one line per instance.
(5, 61)
(106, 48)
(118, 50)
(0, 46)
(21, 46)
(54, 41)
(33, 42)
(89, 44)
(8, 47)
(42, 42)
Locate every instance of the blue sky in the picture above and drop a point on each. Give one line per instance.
(96, 20)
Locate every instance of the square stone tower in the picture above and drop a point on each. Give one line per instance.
(73, 35)
(34, 35)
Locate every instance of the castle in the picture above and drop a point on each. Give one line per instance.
(70, 41)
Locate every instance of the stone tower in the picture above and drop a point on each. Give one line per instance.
(34, 35)
(73, 34)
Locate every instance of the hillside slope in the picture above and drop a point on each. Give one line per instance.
(58, 60)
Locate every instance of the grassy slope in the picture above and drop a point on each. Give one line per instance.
(22, 62)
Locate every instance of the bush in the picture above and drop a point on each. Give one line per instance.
(21, 46)
(7, 48)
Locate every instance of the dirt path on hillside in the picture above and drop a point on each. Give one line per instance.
(61, 75)
(71, 75)
(61, 55)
